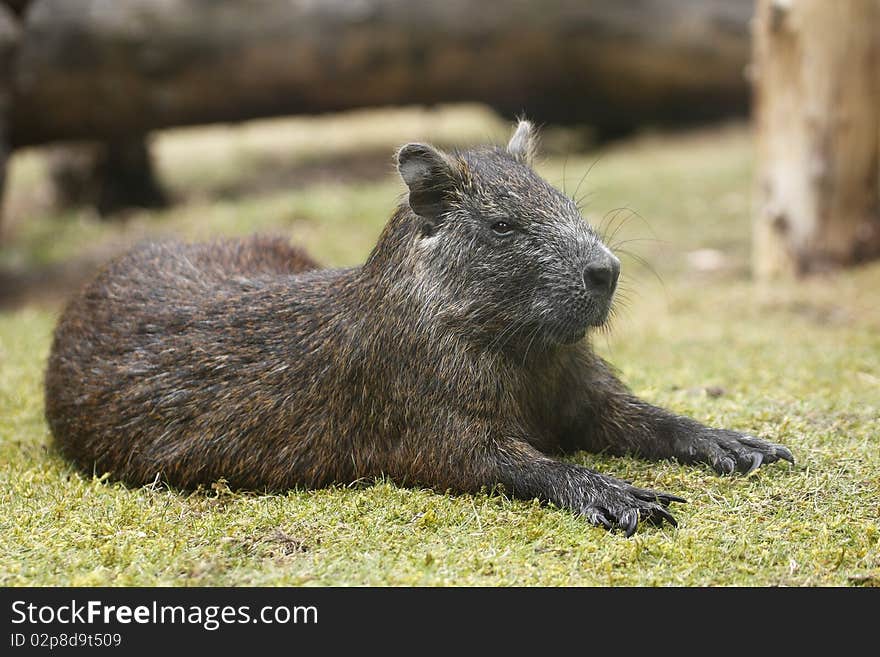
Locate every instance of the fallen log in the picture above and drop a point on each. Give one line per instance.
(8, 43)
(105, 70)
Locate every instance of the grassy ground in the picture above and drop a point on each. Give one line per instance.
(799, 365)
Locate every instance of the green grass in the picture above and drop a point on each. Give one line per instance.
(799, 364)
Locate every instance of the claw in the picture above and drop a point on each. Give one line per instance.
(784, 453)
(725, 465)
(666, 499)
(776, 451)
(629, 520)
(597, 516)
(660, 498)
(664, 515)
(757, 460)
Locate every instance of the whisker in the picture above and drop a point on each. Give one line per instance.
(580, 201)
(626, 218)
(529, 346)
(641, 217)
(509, 331)
(564, 164)
(584, 177)
(637, 239)
(644, 263)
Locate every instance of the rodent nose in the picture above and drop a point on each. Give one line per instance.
(602, 273)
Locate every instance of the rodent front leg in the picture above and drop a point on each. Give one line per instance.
(607, 417)
(528, 474)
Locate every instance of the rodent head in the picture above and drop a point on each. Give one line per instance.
(502, 249)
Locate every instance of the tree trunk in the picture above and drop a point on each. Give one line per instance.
(817, 94)
(97, 69)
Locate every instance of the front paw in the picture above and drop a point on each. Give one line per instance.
(731, 451)
(615, 504)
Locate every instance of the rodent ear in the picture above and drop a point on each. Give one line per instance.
(430, 176)
(522, 143)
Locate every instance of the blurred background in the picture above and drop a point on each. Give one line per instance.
(727, 139)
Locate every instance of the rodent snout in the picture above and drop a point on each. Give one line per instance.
(602, 272)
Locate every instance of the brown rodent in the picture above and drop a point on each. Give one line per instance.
(456, 357)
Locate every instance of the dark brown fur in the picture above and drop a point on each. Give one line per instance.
(454, 358)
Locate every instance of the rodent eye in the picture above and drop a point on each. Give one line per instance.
(502, 228)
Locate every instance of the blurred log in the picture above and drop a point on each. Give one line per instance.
(111, 176)
(17, 6)
(102, 69)
(8, 42)
(817, 92)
